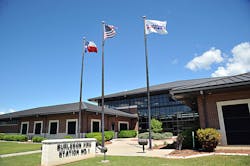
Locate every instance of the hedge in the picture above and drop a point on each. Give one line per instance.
(108, 135)
(38, 139)
(96, 135)
(127, 133)
(13, 137)
(68, 137)
(1, 136)
(156, 136)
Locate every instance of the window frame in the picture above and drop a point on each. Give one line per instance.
(26, 122)
(34, 127)
(57, 129)
(95, 120)
(123, 122)
(71, 120)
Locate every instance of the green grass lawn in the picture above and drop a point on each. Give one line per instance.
(35, 159)
(14, 147)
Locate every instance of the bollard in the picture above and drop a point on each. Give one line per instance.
(193, 139)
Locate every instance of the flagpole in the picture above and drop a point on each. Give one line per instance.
(80, 102)
(148, 91)
(103, 24)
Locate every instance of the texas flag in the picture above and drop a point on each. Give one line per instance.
(90, 47)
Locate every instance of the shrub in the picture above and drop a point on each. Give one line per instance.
(68, 137)
(208, 138)
(168, 135)
(92, 135)
(156, 125)
(144, 135)
(1, 136)
(109, 135)
(99, 139)
(21, 138)
(14, 137)
(156, 136)
(188, 140)
(127, 134)
(38, 139)
(160, 136)
(96, 135)
(8, 137)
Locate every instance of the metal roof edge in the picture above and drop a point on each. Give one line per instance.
(209, 87)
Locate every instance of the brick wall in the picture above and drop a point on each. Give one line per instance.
(86, 122)
(108, 120)
(61, 117)
(9, 128)
(211, 108)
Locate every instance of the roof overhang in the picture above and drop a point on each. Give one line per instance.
(179, 91)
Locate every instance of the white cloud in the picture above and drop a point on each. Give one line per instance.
(205, 60)
(10, 110)
(239, 63)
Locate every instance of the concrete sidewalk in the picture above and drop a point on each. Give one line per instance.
(20, 153)
(233, 147)
(130, 147)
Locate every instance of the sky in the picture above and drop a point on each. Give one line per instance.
(41, 45)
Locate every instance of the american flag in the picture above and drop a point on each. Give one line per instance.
(109, 31)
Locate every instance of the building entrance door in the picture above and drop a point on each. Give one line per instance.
(237, 122)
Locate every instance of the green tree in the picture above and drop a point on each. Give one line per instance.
(156, 125)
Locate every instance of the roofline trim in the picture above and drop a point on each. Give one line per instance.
(174, 92)
(65, 112)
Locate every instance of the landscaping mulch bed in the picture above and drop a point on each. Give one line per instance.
(186, 152)
(108, 142)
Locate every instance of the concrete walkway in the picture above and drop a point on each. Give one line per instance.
(233, 147)
(20, 153)
(130, 147)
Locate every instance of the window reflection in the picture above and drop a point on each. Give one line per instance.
(164, 108)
